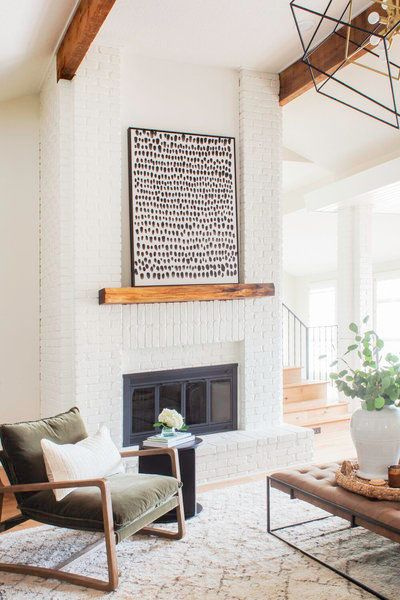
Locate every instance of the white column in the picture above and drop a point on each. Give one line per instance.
(57, 377)
(354, 273)
(97, 236)
(261, 246)
(81, 241)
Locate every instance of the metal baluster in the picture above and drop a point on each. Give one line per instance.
(319, 346)
(309, 341)
(301, 346)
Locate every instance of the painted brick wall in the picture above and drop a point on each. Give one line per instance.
(355, 278)
(260, 122)
(97, 231)
(355, 281)
(85, 347)
(81, 343)
(182, 324)
(56, 246)
(363, 284)
(181, 357)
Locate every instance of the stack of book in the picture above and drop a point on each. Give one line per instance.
(159, 441)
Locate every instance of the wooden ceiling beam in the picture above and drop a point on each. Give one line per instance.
(85, 25)
(296, 79)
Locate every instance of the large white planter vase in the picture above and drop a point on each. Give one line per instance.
(376, 436)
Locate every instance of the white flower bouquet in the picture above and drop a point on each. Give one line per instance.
(171, 419)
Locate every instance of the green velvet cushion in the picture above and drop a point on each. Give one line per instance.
(132, 496)
(21, 442)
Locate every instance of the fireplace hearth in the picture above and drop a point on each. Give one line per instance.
(205, 396)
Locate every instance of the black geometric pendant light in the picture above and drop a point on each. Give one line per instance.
(352, 48)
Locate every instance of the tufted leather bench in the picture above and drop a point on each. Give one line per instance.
(316, 485)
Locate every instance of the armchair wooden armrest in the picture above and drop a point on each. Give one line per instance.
(171, 452)
(101, 483)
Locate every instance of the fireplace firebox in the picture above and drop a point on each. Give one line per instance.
(205, 396)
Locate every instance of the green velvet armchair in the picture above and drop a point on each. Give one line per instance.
(118, 506)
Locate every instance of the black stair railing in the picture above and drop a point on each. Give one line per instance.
(303, 345)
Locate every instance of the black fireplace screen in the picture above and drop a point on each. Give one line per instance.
(205, 396)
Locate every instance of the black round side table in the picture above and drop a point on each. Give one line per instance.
(161, 465)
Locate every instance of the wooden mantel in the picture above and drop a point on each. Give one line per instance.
(185, 293)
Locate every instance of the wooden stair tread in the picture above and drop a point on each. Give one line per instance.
(334, 419)
(291, 368)
(312, 405)
(304, 384)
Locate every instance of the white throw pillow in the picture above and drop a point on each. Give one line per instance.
(95, 456)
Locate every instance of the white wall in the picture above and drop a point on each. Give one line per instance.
(19, 259)
(177, 97)
(295, 295)
(315, 234)
(289, 290)
(310, 241)
(296, 291)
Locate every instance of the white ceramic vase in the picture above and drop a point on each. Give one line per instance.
(376, 436)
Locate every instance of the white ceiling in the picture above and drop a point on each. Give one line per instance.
(297, 175)
(259, 34)
(378, 186)
(29, 33)
(310, 241)
(333, 136)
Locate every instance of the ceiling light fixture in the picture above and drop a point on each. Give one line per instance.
(354, 58)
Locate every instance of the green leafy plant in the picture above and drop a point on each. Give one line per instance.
(377, 381)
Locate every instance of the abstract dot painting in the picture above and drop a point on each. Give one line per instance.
(183, 208)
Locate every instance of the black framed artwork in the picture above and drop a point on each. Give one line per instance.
(183, 208)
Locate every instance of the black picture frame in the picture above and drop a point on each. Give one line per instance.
(136, 278)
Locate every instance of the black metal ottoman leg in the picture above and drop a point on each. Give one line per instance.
(273, 532)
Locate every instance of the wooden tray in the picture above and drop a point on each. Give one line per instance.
(346, 477)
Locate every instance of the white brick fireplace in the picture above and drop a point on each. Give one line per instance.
(86, 348)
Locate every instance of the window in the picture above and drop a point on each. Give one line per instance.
(388, 313)
(322, 306)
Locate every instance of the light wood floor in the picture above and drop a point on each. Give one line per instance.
(329, 447)
(335, 445)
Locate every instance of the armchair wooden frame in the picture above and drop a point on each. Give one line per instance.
(109, 538)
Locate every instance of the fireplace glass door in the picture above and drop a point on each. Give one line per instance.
(206, 397)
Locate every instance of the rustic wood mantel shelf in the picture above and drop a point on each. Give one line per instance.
(185, 293)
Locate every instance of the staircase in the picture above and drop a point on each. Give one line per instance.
(305, 403)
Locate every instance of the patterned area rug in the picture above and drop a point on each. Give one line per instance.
(226, 555)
